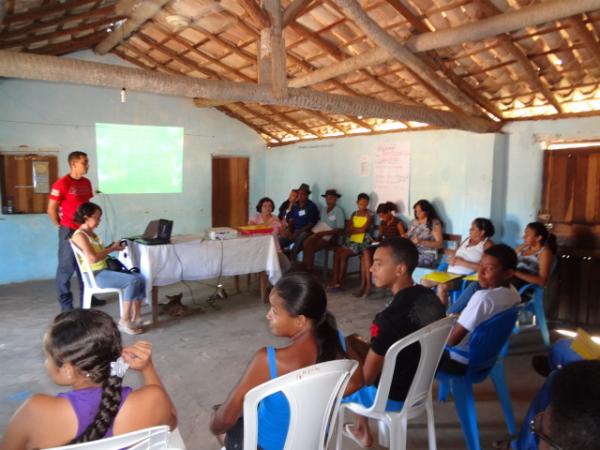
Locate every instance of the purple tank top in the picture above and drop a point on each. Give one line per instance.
(85, 402)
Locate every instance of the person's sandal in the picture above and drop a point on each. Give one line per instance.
(129, 330)
(350, 434)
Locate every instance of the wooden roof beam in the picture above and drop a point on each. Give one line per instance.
(259, 115)
(44, 10)
(435, 83)
(536, 14)
(294, 10)
(139, 12)
(73, 45)
(228, 111)
(256, 13)
(431, 58)
(587, 37)
(35, 26)
(272, 60)
(50, 68)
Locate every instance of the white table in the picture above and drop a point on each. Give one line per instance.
(195, 258)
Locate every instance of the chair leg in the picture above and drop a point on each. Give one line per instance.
(383, 434)
(398, 433)
(540, 314)
(497, 376)
(340, 429)
(430, 424)
(87, 299)
(443, 390)
(464, 402)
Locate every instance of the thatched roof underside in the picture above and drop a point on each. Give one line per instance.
(539, 71)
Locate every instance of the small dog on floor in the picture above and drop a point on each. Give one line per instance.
(174, 307)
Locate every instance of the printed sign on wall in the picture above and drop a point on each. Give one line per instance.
(392, 174)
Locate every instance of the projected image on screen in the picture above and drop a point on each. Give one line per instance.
(135, 159)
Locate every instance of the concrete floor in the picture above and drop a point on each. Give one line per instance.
(201, 356)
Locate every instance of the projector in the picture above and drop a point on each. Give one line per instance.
(222, 233)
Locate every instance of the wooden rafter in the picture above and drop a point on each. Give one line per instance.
(485, 28)
(294, 10)
(97, 25)
(48, 68)
(587, 37)
(41, 11)
(41, 25)
(256, 13)
(139, 13)
(72, 45)
(228, 111)
(442, 87)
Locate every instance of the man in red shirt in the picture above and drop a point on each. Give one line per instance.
(66, 195)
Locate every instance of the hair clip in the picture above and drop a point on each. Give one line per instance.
(118, 368)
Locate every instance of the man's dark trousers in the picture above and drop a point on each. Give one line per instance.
(66, 266)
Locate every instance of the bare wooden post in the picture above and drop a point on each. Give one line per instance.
(272, 50)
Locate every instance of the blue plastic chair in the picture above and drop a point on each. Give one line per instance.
(455, 293)
(488, 343)
(536, 307)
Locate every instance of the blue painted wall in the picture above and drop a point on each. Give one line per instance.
(61, 118)
(464, 174)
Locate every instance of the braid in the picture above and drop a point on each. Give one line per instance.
(89, 340)
(109, 406)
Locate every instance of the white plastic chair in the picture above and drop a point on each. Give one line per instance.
(393, 425)
(154, 438)
(314, 394)
(89, 281)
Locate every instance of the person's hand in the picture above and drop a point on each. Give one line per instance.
(415, 240)
(138, 355)
(452, 260)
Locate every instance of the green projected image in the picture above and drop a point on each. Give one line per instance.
(136, 159)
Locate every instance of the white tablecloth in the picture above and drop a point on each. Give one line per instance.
(195, 258)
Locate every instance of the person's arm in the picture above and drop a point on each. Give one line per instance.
(53, 212)
(438, 238)
(92, 256)
(16, 434)
(542, 277)
(150, 405)
(401, 228)
(457, 334)
(228, 413)
(372, 367)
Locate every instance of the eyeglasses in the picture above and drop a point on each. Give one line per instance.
(537, 427)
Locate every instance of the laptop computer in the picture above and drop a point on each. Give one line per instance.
(158, 232)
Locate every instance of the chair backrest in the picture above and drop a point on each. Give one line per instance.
(314, 394)
(486, 342)
(432, 340)
(85, 268)
(154, 438)
(451, 241)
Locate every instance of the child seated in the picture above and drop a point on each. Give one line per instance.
(496, 269)
(84, 351)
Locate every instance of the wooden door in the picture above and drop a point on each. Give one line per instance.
(571, 204)
(571, 196)
(229, 191)
(26, 182)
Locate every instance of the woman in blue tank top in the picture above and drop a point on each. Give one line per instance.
(299, 312)
(84, 351)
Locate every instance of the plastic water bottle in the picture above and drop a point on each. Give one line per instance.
(9, 206)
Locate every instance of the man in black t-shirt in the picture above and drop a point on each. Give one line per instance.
(412, 308)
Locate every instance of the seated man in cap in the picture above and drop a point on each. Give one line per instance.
(326, 232)
(303, 216)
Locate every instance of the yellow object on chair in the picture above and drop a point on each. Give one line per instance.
(584, 346)
(441, 277)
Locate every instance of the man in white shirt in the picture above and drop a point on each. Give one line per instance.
(497, 267)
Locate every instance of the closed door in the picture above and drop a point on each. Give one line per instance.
(571, 196)
(229, 191)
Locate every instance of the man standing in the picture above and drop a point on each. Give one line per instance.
(303, 216)
(333, 221)
(66, 195)
(412, 308)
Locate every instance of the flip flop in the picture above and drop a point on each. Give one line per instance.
(129, 330)
(349, 434)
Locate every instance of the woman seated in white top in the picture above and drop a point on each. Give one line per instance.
(465, 259)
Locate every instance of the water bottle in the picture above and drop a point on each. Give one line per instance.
(9, 206)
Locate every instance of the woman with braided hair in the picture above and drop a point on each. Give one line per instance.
(298, 312)
(84, 351)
